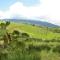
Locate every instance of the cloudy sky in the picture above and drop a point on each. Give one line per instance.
(45, 10)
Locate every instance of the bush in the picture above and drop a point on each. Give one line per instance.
(57, 49)
(25, 35)
(39, 48)
(16, 32)
(7, 23)
(45, 47)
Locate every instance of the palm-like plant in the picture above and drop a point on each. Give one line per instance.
(5, 33)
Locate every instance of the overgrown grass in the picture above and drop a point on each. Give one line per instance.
(42, 44)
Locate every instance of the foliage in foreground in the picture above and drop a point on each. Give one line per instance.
(21, 46)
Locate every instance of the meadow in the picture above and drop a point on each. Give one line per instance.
(29, 42)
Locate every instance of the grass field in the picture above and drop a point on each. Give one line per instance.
(43, 43)
(34, 31)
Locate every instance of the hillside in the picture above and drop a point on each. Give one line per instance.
(22, 41)
(35, 30)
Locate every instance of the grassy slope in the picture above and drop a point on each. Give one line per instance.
(37, 32)
(34, 31)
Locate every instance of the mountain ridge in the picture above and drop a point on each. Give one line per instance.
(30, 21)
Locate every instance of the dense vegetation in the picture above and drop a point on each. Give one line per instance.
(29, 42)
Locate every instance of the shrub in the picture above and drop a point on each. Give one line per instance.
(7, 23)
(15, 34)
(39, 48)
(25, 35)
(57, 49)
(45, 47)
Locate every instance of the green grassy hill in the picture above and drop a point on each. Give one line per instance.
(41, 43)
(34, 31)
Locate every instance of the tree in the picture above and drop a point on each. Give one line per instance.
(7, 23)
(5, 33)
(2, 26)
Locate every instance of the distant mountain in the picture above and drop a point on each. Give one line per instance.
(41, 23)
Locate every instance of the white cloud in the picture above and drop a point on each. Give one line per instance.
(48, 10)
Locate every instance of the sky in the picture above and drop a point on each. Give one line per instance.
(44, 10)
